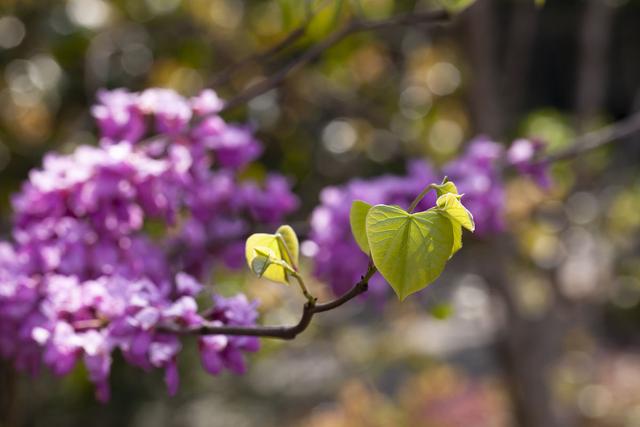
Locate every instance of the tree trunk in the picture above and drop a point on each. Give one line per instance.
(527, 348)
(520, 38)
(8, 398)
(481, 46)
(592, 68)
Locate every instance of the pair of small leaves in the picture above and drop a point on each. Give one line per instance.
(273, 256)
(449, 204)
(411, 249)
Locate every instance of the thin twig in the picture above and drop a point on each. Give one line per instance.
(420, 196)
(310, 298)
(352, 27)
(225, 75)
(281, 332)
(598, 138)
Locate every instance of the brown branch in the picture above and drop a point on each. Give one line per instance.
(225, 75)
(598, 138)
(352, 27)
(310, 309)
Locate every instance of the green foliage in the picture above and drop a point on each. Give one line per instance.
(451, 206)
(550, 125)
(456, 6)
(409, 250)
(445, 187)
(453, 209)
(273, 256)
(262, 260)
(357, 219)
(261, 250)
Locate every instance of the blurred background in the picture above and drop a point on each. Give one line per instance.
(537, 326)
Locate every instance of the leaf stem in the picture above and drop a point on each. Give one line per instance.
(310, 298)
(420, 196)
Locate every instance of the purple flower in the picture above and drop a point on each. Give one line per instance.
(207, 102)
(269, 202)
(97, 359)
(211, 348)
(112, 242)
(236, 310)
(63, 348)
(233, 146)
(172, 112)
(217, 351)
(172, 378)
(187, 285)
(184, 312)
(523, 155)
(118, 116)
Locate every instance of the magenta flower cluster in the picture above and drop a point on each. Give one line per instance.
(111, 243)
(523, 155)
(477, 173)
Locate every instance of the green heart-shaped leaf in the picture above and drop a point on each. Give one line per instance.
(409, 250)
(358, 220)
(261, 250)
(290, 239)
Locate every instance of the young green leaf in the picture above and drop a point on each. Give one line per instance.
(456, 6)
(451, 206)
(409, 250)
(456, 228)
(291, 252)
(445, 187)
(265, 246)
(357, 219)
(262, 260)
